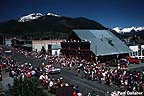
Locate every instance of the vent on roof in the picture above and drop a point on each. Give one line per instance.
(110, 42)
(101, 39)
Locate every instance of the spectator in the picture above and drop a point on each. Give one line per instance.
(77, 89)
(74, 93)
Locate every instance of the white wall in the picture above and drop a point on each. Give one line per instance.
(8, 42)
(134, 52)
(38, 44)
(134, 48)
(56, 52)
(39, 47)
(137, 52)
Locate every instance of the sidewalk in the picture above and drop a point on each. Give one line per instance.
(4, 83)
(6, 80)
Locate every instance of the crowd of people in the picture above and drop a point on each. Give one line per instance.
(128, 80)
(26, 70)
(123, 78)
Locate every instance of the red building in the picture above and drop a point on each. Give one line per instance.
(79, 49)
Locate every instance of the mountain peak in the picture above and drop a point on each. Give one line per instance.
(117, 29)
(30, 17)
(34, 16)
(52, 14)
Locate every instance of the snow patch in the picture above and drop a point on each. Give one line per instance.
(127, 30)
(117, 29)
(34, 16)
(30, 17)
(52, 14)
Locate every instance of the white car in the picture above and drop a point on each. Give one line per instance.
(55, 71)
(123, 62)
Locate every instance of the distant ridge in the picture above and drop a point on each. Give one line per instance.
(37, 24)
(127, 30)
(134, 35)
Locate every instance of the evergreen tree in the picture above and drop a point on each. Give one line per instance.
(27, 87)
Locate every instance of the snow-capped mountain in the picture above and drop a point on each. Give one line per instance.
(30, 17)
(127, 30)
(52, 14)
(34, 16)
(40, 25)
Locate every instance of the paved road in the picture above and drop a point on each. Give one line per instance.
(71, 76)
(138, 67)
(87, 85)
(4, 83)
(6, 80)
(22, 59)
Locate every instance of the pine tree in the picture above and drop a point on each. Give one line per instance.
(27, 87)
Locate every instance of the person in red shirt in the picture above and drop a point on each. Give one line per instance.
(74, 93)
(28, 74)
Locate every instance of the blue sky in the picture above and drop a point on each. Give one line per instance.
(110, 13)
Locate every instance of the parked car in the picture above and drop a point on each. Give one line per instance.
(133, 60)
(124, 62)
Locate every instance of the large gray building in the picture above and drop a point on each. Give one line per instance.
(101, 43)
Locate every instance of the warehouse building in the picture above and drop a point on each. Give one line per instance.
(93, 44)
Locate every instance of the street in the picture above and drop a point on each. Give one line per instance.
(71, 76)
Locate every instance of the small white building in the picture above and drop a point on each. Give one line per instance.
(8, 42)
(54, 46)
(137, 51)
